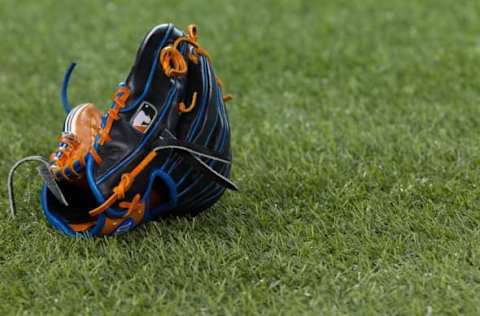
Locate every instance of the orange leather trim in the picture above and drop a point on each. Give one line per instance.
(85, 126)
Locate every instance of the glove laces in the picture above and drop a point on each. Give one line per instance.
(119, 98)
(175, 65)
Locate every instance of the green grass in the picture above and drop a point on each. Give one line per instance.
(355, 137)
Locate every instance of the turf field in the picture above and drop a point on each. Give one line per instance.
(356, 148)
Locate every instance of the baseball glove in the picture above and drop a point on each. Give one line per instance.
(162, 148)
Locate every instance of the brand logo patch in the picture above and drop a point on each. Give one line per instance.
(143, 117)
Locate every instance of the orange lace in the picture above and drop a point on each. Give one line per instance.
(124, 185)
(134, 206)
(119, 98)
(226, 98)
(69, 155)
(172, 60)
(182, 108)
(135, 210)
(174, 64)
(67, 148)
